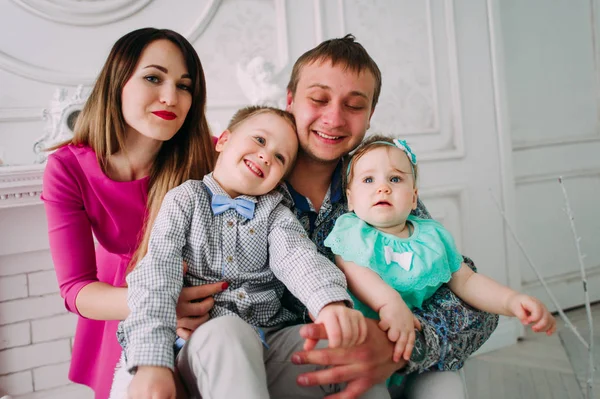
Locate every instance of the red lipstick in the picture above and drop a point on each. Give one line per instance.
(165, 115)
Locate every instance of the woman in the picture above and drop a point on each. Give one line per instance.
(142, 132)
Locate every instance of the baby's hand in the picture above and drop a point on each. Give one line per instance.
(345, 327)
(399, 322)
(152, 382)
(530, 310)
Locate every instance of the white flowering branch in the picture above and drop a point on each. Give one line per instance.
(562, 314)
(588, 307)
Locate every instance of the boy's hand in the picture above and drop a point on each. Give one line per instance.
(399, 322)
(151, 382)
(345, 327)
(530, 310)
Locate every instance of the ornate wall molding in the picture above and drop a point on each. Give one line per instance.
(42, 74)
(96, 13)
(257, 80)
(83, 13)
(458, 148)
(60, 120)
(456, 197)
(203, 21)
(260, 78)
(20, 185)
(21, 114)
(443, 137)
(553, 177)
(554, 141)
(502, 122)
(569, 138)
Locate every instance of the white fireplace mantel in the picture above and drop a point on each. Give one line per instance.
(21, 185)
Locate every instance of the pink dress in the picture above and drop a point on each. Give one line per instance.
(82, 203)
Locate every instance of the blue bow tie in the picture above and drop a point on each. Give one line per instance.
(220, 203)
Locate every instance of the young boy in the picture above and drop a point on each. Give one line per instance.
(232, 227)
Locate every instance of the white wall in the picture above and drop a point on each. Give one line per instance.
(553, 92)
(444, 91)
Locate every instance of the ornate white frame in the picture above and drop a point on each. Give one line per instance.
(22, 185)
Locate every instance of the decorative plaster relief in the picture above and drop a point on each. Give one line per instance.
(408, 97)
(22, 185)
(257, 80)
(416, 51)
(448, 205)
(83, 13)
(88, 13)
(243, 31)
(60, 120)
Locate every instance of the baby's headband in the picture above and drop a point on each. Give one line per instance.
(401, 144)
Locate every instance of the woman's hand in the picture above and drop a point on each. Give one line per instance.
(360, 366)
(194, 304)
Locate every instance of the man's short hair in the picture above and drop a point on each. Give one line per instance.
(346, 51)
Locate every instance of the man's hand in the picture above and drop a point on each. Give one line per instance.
(399, 323)
(151, 382)
(344, 327)
(360, 366)
(530, 310)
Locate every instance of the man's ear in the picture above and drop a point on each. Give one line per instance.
(370, 116)
(415, 198)
(223, 138)
(289, 99)
(348, 197)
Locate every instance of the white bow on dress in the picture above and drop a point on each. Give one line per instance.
(404, 259)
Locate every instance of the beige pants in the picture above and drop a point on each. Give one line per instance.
(225, 358)
(434, 385)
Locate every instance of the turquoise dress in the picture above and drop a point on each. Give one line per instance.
(415, 266)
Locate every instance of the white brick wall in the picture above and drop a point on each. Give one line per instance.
(30, 356)
(54, 327)
(13, 287)
(51, 376)
(25, 262)
(31, 308)
(35, 329)
(71, 391)
(12, 335)
(16, 383)
(41, 283)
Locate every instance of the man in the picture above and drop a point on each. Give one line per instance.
(332, 92)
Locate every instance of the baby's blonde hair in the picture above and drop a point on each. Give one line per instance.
(369, 144)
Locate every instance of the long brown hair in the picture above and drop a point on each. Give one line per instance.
(188, 155)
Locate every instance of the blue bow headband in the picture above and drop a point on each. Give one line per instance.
(401, 144)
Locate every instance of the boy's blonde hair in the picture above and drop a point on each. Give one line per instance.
(246, 113)
(369, 144)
